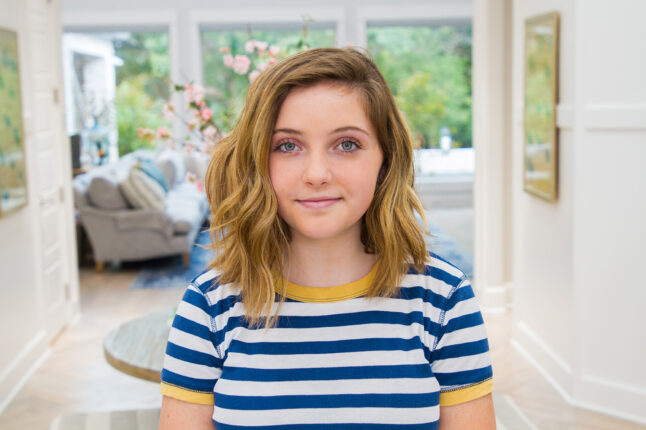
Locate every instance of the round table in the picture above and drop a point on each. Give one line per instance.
(137, 347)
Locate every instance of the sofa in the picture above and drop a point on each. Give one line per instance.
(162, 221)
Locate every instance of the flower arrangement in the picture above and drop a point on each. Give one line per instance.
(200, 126)
(242, 64)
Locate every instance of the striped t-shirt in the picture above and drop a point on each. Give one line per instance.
(336, 359)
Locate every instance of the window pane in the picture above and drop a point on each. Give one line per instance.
(429, 71)
(120, 82)
(225, 89)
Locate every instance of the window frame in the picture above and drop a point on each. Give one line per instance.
(129, 20)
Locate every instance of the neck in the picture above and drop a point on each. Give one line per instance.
(329, 262)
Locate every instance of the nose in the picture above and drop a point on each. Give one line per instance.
(317, 170)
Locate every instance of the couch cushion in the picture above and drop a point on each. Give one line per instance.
(142, 191)
(151, 169)
(103, 192)
(171, 164)
(185, 211)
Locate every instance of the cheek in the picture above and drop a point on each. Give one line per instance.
(279, 177)
(364, 185)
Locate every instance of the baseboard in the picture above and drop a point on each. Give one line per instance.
(611, 398)
(545, 360)
(589, 392)
(16, 374)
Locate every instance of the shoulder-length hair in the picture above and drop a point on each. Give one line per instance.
(251, 240)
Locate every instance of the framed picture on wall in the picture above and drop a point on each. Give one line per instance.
(13, 178)
(541, 96)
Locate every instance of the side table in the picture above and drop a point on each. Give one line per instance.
(137, 347)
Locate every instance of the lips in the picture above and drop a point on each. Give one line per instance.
(319, 202)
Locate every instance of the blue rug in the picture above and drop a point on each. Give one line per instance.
(170, 272)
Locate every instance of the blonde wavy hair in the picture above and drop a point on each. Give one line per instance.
(251, 240)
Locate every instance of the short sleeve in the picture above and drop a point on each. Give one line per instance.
(460, 358)
(192, 364)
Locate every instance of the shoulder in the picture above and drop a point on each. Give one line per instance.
(208, 292)
(437, 283)
(438, 274)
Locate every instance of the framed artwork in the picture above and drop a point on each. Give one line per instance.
(541, 96)
(13, 178)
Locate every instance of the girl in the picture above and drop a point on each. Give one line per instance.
(323, 309)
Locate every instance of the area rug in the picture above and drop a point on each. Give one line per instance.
(170, 271)
(508, 417)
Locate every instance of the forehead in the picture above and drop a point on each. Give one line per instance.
(325, 97)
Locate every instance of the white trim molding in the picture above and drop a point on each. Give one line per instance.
(432, 13)
(554, 368)
(611, 398)
(577, 388)
(628, 117)
(14, 376)
(89, 20)
(493, 146)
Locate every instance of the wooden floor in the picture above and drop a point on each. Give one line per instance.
(76, 377)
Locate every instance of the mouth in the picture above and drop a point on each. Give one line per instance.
(319, 202)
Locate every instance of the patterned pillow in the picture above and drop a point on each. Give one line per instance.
(142, 191)
(150, 168)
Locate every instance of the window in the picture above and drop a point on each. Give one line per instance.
(225, 90)
(428, 68)
(117, 82)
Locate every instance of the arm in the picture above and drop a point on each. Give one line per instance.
(192, 366)
(462, 364)
(474, 414)
(180, 415)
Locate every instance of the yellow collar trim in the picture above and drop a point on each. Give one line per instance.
(331, 294)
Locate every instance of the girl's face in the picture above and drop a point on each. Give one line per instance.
(324, 162)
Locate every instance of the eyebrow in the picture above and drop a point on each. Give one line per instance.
(338, 130)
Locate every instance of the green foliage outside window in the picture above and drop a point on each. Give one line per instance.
(429, 71)
(142, 86)
(225, 91)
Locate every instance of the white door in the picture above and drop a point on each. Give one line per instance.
(50, 150)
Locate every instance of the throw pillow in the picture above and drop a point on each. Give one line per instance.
(103, 191)
(150, 168)
(172, 165)
(142, 191)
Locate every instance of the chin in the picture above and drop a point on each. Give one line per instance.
(318, 232)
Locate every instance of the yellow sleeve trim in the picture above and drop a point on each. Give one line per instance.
(461, 395)
(186, 395)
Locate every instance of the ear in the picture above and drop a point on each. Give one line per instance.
(382, 174)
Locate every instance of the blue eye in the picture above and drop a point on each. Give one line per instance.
(287, 147)
(348, 145)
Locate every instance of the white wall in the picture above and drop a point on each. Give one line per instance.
(577, 272)
(18, 284)
(492, 143)
(26, 331)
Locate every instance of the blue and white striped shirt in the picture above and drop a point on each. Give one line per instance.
(336, 359)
